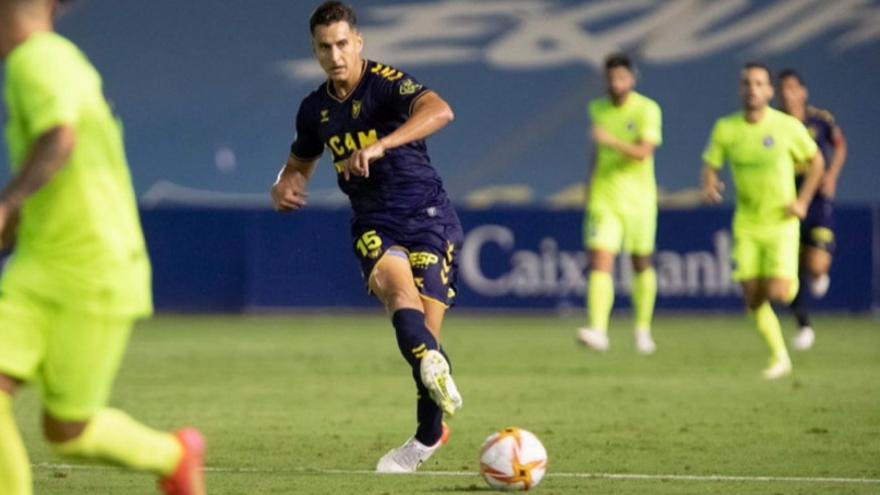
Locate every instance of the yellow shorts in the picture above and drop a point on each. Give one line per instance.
(766, 253)
(608, 230)
(72, 356)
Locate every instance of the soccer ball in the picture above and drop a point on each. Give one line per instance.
(513, 459)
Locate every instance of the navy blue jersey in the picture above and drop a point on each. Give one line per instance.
(824, 130)
(402, 182)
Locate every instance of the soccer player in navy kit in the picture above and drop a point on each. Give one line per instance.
(817, 229)
(374, 119)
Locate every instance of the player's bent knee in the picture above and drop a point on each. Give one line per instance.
(601, 260)
(641, 263)
(68, 441)
(8, 384)
(781, 293)
(59, 432)
(403, 299)
(753, 300)
(753, 304)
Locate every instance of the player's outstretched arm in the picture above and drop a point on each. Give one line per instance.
(430, 113)
(49, 154)
(810, 185)
(712, 187)
(289, 191)
(838, 158)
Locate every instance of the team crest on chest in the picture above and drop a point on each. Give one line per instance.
(768, 142)
(630, 126)
(355, 108)
(325, 116)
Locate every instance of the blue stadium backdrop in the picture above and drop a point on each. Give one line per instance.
(524, 258)
(208, 91)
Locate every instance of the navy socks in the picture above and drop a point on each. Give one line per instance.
(414, 339)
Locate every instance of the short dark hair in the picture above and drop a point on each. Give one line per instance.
(331, 12)
(789, 72)
(618, 60)
(759, 65)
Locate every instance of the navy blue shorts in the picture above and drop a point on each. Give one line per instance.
(431, 240)
(817, 229)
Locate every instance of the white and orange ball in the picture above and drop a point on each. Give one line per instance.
(513, 459)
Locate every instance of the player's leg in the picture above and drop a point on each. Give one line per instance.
(386, 268)
(434, 263)
(389, 277)
(639, 234)
(817, 263)
(603, 235)
(400, 277)
(820, 243)
(15, 469)
(748, 255)
(392, 282)
(601, 289)
(82, 357)
(644, 296)
(600, 300)
(778, 272)
(778, 291)
(817, 238)
(23, 325)
(435, 311)
(799, 305)
(755, 293)
(417, 324)
(814, 282)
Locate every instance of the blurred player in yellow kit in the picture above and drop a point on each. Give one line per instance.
(622, 208)
(79, 276)
(764, 147)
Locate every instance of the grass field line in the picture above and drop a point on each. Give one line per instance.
(611, 476)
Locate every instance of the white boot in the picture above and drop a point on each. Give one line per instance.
(779, 367)
(804, 339)
(594, 339)
(408, 457)
(819, 286)
(435, 376)
(645, 343)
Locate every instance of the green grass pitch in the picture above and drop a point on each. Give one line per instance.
(308, 405)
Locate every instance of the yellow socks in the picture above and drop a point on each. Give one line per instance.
(600, 299)
(768, 324)
(644, 295)
(15, 469)
(113, 436)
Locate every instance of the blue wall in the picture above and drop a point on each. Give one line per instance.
(208, 90)
(231, 260)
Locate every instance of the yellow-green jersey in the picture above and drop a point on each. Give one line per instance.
(618, 181)
(79, 240)
(763, 157)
